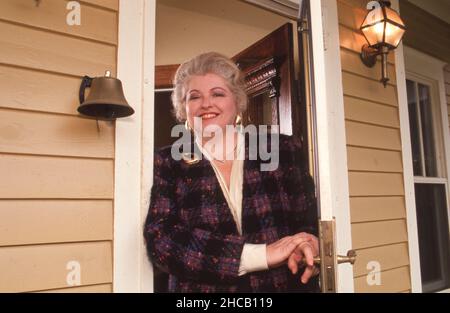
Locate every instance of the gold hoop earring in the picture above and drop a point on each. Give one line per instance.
(238, 120)
(186, 125)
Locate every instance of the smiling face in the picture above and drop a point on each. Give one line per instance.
(209, 98)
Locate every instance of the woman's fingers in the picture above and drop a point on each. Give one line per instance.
(307, 274)
(292, 265)
(309, 255)
(292, 249)
(312, 239)
(279, 251)
(307, 251)
(293, 261)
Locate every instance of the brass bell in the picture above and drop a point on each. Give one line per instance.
(106, 99)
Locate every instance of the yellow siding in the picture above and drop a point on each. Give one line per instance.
(38, 90)
(395, 280)
(389, 256)
(56, 190)
(50, 134)
(97, 23)
(367, 209)
(42, 267)
(376, 186)
(59, 221)
(55, 52)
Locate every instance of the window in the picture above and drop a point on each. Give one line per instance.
(431, 184)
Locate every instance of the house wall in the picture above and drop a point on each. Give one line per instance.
(376, 183)
(56, 190)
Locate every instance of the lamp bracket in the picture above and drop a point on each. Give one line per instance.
(369, 55)
(386, 3)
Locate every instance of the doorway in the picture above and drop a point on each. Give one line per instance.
(184, 30)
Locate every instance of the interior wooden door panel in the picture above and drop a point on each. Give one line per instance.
(268, 66)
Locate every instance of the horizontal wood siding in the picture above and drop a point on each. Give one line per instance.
(57, 186)
(395, 280)
(42, 267)
(96, 23)
(50, 134)
(59, 221)
(375, 164)
(38, 90)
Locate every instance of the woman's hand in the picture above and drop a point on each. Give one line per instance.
(306, 251)
(279, 251)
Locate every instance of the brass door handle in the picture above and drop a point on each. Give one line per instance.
(349, 258)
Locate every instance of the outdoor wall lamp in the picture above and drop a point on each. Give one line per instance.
(106, 100)
(383, 29)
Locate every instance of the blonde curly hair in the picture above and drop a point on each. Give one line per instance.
(208, 63)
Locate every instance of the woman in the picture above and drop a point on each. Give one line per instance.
(217, 223)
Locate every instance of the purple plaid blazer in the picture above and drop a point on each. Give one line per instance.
(190, 232)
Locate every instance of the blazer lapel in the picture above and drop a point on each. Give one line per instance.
(211, 191)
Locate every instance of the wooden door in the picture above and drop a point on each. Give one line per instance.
(268, 66)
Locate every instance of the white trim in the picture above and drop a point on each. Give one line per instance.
(131, 270)
(430, 180)
(148, 117)
(287, 8)
(332, 149)
(408, 174)
(164, 89)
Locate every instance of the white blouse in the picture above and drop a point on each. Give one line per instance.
(253, 256)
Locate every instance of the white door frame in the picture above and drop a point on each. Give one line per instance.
(134, 139)
(134, 146)
(331, 138)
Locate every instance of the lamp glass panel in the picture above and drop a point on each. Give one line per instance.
(374, 16)
(393, 16)
(374, 33)
(393, 34)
